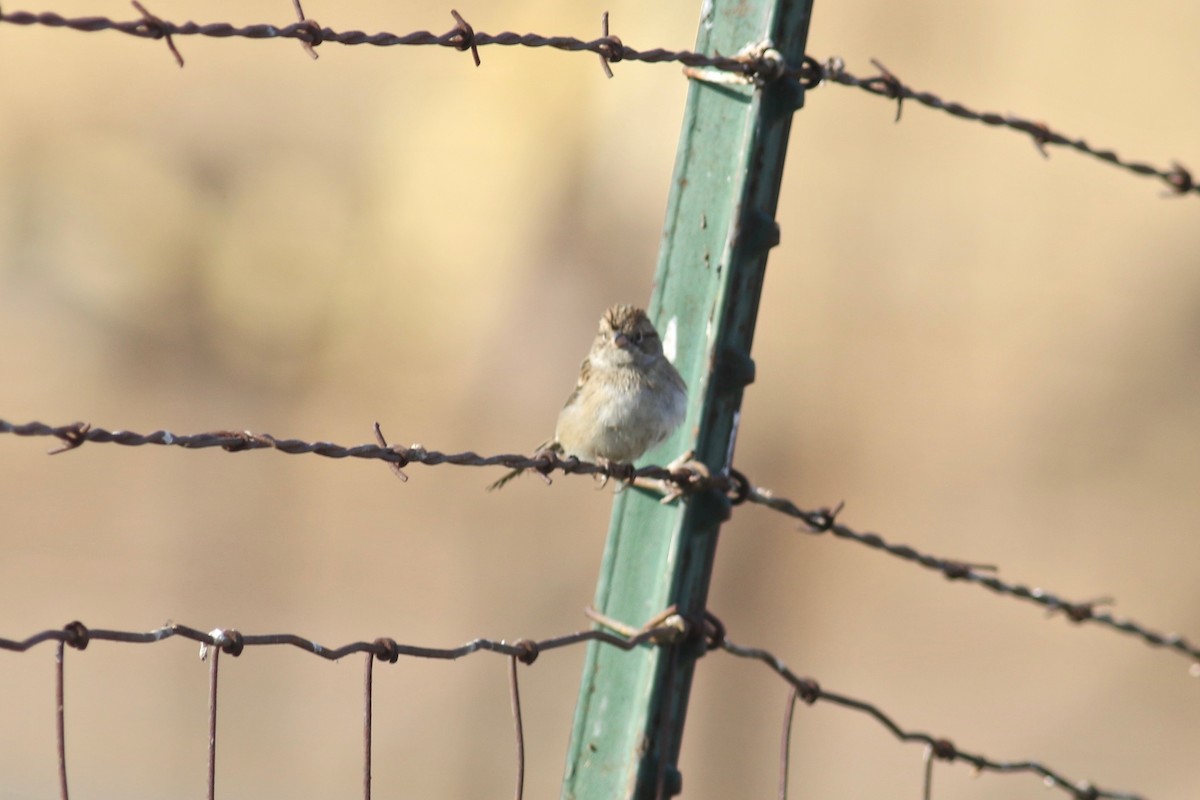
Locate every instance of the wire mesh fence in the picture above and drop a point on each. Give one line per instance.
(670, 629)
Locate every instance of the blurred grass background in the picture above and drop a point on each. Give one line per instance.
(988, 355)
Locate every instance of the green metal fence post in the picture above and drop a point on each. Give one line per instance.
(720, 225)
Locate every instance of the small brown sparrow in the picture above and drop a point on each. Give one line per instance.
(628, 397)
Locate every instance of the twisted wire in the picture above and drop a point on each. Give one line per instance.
(1178, 179)
(761, 67)
(230, 641)
(674, 630)
(810, 691)
(824, 520)
(735, 485)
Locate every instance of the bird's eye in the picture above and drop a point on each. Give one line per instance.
(636, 337)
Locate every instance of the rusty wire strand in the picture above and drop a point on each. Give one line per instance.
(943, 749)
(610, 49)
(1179, 180)
(75, 435)
(927, 784)
(60, 726)
(234, 643)
(461, 37)
(825, 521)
(515, 697)
(77, 635)
(309, 44)
(368, 703)
(154, 27)
(215, 655)
(736, 485)
(785, 740)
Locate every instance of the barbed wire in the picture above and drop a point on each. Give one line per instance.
(758, 65)
(461, 37)
(1179, 180)
(543, 463)
(673, 629)
(824, 520)
(685, 479)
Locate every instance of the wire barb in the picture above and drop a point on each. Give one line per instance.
(314, 36)
(888, 85)
(1179, 179)
(466, 36)
(72, 436)
(610, 48)
(156, 28)
(397, 465)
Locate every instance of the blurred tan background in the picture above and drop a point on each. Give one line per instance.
(988, 355)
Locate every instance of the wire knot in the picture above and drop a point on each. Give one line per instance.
(1078, 612)
(761, 63)
(739, 491)
(888, 85)
(823, 519)
(527, 651)
(1041, 135)
(1179, 179)
(956, 570)
(387, 650)
(621, 470)
(810, 75)
(401, 455)
(690, 476)
(714, 631)
(944, 749)
(464, 36)
(1082, 611)
(72, 436)
(232, 642)
(545, 461)
(151, 25)
(77, 635)
(242, 440)
(808, 690)
(155, 28)
(311, 32)
(769, 66)
(609, 47)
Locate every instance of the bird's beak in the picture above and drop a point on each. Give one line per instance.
(621, 340)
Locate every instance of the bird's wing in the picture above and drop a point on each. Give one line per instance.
(585, 370)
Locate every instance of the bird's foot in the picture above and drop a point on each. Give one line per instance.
(687, 472)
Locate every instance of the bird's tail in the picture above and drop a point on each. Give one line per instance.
(516, 473)
(552, 446)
